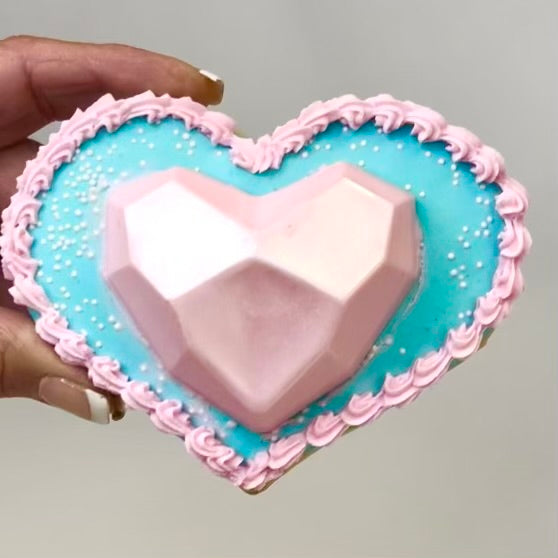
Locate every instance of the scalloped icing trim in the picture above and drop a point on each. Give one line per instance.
(258, 156)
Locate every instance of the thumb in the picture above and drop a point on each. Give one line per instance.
(30, 368)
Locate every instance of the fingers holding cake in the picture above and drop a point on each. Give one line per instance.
(29, 368)
(45, 80)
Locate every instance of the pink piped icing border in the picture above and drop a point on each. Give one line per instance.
(257, 156)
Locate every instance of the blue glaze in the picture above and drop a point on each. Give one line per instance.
(457, 216)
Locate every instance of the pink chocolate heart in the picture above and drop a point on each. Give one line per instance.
(261, 304)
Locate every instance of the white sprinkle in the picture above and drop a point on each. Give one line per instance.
(78, 308)
(150, 145)
(462, 285)
(178, 146)
(376, 148)
(361, 163)
(48, 279)
(462, 267)
(455, 182)
(399, 146)
(67, 295)
(422, 195)
(441, 161)
(304, 154)
(453, 167)
(142, 163)
(487, 202)
(460, 239)
(479, 265)
(486, 232)
(456, 175)
(176, 132)
(134, 140)
(478, 199)
(185, 135)
(111, 319)
(466, 245)
(139, 130)
(98, 344)
(363, 142)
(388, 340)
(465, 229)
(451, 256)
(219, 153)
(483, 225)
(93, 319)
(316, 147)
(117, 326)
(94, 301)
(192, 143)
(428, 154)
(73, 273)
(461, 316)
(402, 350)
(328, 146)
(489, 219)
(57, 258)
(143, 367)
(477, 233)
(468, 313)
(110, 170)
(407, 186)
(101, 326)
(453, 272)
(123, 174)
(68, 263)
(56, 267)
(353, 146)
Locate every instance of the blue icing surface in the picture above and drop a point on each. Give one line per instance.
(457, 216)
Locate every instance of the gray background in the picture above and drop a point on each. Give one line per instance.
(466, 471)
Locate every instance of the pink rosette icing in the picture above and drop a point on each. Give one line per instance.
(137, 395)
(487, 164)
(353, 112)
(286, 452)
(51, 326)
(26, 292)
(313, 119)
(427, 123)
(169, 417)
(461, 143)
(324, 429)
(219, 458)
(490, 310)
(514, 240)
(362, 409)
(266, 153)
(464, 341)
(73, 349)
(217, 126)
(253, 476)
(105, 373)
(399, 390)
(430, 367)
(512, 202)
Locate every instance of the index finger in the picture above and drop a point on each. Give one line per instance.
(44, 80)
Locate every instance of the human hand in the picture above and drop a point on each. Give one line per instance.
(41, 81)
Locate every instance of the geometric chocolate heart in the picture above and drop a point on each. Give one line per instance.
(261, 304)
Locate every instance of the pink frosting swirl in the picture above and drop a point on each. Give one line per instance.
(353, 111)
(188, 111)
(253, 476)
(399, 390)
(490, 310)
(218, 126)
(138, 395)
(292, 137)
(324, 429)
(430, 367)
(464, 341)
(51, 326)
(461, 143)
(515, 241)
(220, 459)
(512, 201)
(507, 281)
(390, 115)
(26, 292)
(73, 349)
(105, 373)
(169, 417)
(427, 123)
(487, 164)
(286, 452)
(256, 157)
(315, 118)
(362, 409)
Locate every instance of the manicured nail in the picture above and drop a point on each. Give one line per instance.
(73, 398)
(210, 75)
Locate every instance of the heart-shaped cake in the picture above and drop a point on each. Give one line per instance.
(258, 299)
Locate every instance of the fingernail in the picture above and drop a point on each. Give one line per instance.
(73, 398)
(210, 75)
